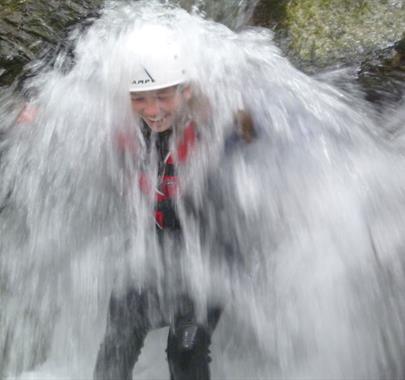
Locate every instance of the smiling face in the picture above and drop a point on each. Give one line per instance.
(160, 108)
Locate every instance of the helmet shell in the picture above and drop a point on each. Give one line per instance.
(160, 62)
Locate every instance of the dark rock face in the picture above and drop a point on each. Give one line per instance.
(270, 13)
(31, 28)
(382, 76)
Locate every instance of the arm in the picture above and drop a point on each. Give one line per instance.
(245, 126)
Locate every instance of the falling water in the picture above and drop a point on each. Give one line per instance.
(300, 233)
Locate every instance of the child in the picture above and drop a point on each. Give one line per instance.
(160, 94)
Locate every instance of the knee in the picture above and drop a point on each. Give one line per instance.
(187, 344)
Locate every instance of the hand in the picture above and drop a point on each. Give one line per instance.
(28, 114)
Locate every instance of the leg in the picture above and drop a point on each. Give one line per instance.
(188, 346)
(127, 326)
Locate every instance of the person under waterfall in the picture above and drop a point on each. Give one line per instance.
(160, 95)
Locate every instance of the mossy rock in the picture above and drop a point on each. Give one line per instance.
(320, 33)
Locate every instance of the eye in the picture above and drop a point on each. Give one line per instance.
(138, 99)
(164, 97)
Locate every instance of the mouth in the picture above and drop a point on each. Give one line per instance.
(157, 120)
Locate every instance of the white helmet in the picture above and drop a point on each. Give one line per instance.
(159, 60)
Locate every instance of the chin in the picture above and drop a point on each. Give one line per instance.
(160, 128)
(156, 129)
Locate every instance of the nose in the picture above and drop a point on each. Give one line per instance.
(152, 108)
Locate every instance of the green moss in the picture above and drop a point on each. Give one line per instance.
(321, 32)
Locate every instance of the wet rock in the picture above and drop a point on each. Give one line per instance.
(382, 75)
(271, 14)
(399, 58)
(28, 28)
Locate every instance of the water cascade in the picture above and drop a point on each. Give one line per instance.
(300, 233)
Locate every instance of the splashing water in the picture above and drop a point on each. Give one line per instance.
(311, 213)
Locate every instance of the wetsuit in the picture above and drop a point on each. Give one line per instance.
(133, 314)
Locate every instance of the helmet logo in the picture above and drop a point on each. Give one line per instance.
(145, 80)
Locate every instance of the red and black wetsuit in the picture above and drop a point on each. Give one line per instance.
(167, 187)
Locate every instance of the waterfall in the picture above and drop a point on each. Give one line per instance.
(301, 233)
